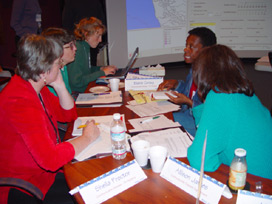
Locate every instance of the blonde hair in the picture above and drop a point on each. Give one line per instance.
(87, 27)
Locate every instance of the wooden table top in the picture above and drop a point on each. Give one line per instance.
(154, 189)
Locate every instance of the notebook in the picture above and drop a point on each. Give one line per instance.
(121, 73)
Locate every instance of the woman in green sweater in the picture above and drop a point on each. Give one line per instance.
(232, 114)
(88, 33)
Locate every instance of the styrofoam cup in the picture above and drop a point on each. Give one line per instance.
(157, 156)
(140, 150)
(114, 84)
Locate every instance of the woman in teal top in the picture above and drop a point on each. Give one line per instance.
(232, 114)
(69, 51)
(88, 33)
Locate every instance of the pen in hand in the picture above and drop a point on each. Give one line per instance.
(83, 126)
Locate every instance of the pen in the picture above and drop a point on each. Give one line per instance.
(150, 119)
(98, 94)
(82, 126)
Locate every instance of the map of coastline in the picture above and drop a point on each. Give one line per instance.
(143, 14)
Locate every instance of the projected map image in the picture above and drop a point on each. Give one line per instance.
(158, 27)
(142, 14)
(171, 13)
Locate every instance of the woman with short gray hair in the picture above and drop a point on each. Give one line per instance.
(30, 147)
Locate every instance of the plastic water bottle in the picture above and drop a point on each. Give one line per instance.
(238, 170)
(118, 138)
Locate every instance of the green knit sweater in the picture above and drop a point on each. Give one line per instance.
(233, 121)
(80, 72)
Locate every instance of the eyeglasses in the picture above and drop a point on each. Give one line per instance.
(71, 45)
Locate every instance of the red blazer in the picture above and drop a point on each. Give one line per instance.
(28, 147)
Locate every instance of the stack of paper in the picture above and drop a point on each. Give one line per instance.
(174, 139)
(100, 99)
(153, 108)
(158, 70)
(145, 96)
(161, 95)
(263, 64)
(102, 144)
(152, 123)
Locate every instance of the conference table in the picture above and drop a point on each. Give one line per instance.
(154, 189)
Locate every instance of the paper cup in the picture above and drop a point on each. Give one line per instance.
(140, 150)
(157, 156)
(114, 84)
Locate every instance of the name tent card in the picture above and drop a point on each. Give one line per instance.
(111, 183)
(187, 178)
(141, 82)
(253, 198)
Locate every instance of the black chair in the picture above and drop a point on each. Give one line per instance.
(22, 184)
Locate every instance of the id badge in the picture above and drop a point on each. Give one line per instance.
(38, 18)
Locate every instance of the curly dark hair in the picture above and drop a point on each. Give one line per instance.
(207, 37)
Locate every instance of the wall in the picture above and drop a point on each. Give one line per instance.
(51, 16)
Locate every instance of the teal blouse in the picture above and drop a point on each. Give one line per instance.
(64, 74)
(233, 121)
(80, 71)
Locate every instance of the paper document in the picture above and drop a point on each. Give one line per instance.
(103, 143)
(157, 95)
(99, 98)
(141, 97)
(159, 123)
(153, 108)
(174, 139)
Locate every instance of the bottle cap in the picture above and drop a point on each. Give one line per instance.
(116, 116)
(240, 152)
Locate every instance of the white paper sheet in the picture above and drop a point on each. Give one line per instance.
(103, 143)
(174, 139)
(99, 98)
(153, 108)
(160, 123)
(159, 95)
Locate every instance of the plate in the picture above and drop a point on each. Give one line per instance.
(121, 85)
(99, 89)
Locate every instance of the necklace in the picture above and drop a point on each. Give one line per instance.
(55, 129)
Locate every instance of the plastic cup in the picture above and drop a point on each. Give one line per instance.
(114, 84)
(157, 156)
(140, 150)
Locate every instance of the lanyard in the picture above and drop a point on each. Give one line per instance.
(56, 132)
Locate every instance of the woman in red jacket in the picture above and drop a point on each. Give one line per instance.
(30, 147)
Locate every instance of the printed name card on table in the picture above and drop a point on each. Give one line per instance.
(142, 82)
(111, 183)
(187, 178)
(253, 198)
